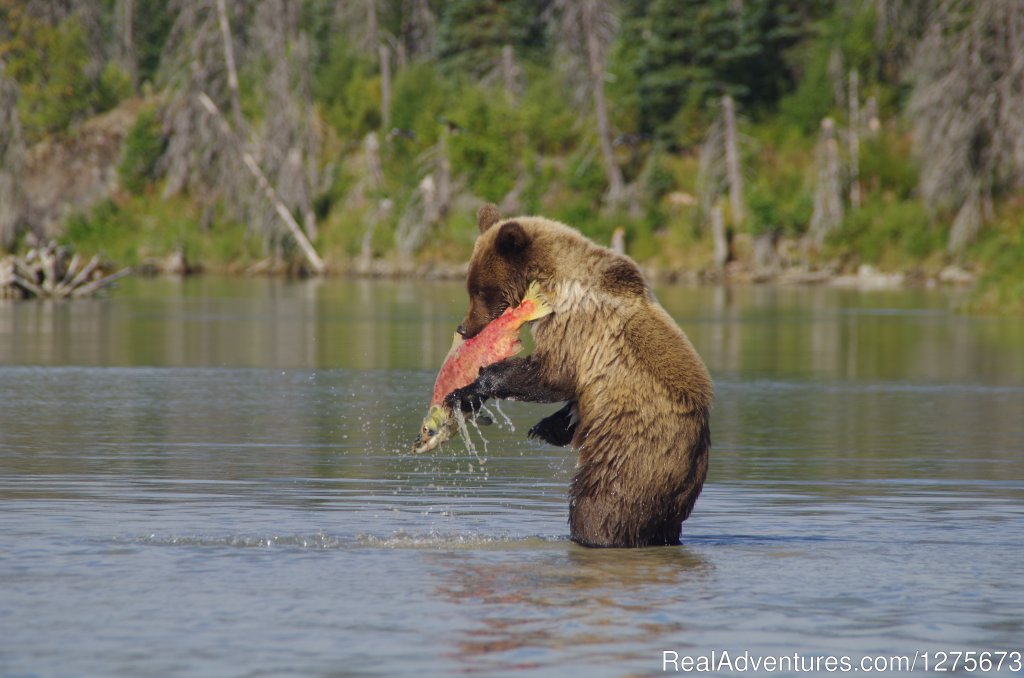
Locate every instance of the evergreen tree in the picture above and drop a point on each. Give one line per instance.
(151, 25)
(472, 33)
(700, 50)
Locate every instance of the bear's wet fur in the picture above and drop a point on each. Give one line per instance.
(637, 393)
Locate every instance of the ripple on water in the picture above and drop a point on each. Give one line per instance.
(324, 542)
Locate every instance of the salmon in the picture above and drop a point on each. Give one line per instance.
(496, 342)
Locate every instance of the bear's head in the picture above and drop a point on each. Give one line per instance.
(500, 270)
(510, 254)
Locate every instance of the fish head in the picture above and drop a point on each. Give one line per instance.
(435, 430)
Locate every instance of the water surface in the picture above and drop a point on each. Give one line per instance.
(212, 478)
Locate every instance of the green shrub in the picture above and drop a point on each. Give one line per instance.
(348, 92)
(585, 173)
(484, 150)
(887, 164)
(142, 150)
(889, 230)
(762, 211)
(548, 117)
(145, 226)
(778, 200)
(50, 65)
(1000, 252)
(114, 86)
(420, 101)
(660, 180)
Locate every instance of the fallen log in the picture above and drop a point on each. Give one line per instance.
(49, 272)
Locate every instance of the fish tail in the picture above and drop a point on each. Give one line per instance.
(541, 307)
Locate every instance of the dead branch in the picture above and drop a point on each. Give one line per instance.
(47, 272)
(268, 190)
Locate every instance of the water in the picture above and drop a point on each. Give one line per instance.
(212, 478)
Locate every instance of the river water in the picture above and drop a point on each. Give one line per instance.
(211, 477)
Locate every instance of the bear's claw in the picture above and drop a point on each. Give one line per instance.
(556, 429)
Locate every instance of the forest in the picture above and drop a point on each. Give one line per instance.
(709, 139)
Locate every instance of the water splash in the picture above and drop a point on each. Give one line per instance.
(505, 417)
(460, 420)
(488, 417)
(482, 437)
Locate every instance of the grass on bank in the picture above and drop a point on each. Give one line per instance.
(130, 230)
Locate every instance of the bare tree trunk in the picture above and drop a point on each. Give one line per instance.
(871, 116)
(419, 215)
(385, 88)
(967, 108)
(12, 155)
(967, 222)
(732, 161)
(124, 11)
(619, 240)
(508, 70)
(854, 140)
(229, 62)
(371, 147)
(720, 237)
(836, 70)
(268, 190)
(372, 38)
(374, 177)
(828, 196)
(294, 166)
(402, 56)
(614, 174)
(444, 175)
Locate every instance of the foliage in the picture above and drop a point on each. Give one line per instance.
(846, 40)
(550, 124)
(151, 26)
(141, 154)
(146, 226)
(484, 147)
(887, 164)
(347, 92)
(1001, 289)
(889, 231)
(420, 102)
(695, 52)
(472, 33)
(51, 66)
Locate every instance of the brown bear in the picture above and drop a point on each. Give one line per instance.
(637, 393)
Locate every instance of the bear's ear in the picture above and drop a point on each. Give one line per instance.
(487, 216)
(512, 239)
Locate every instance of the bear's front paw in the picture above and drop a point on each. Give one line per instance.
(557, 430)
(468, 399)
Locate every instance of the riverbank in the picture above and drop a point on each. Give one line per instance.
(888, 243)
(864, 276)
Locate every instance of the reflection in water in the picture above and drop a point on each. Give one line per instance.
(568, 597)
(813, 333)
